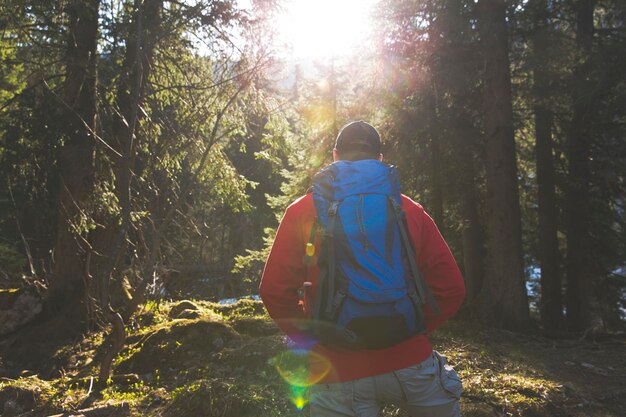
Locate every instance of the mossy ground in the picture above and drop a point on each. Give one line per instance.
(205, 360)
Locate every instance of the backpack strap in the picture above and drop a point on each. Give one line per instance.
(423, 292)
(330, 289)
(326, 302)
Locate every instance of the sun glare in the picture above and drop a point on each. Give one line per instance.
(323, 28)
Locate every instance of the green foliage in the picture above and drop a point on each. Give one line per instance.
(209, 145)
(12, 80)
(132, 394)
(11, 260)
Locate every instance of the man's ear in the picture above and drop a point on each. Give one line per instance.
(380, 157)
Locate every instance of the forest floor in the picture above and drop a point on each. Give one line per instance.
(198, 359)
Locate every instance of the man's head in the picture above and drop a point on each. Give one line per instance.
(357, 140)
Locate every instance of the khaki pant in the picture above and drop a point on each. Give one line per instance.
(428, 389)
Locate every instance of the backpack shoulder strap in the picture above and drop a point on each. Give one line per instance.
(423, 291)
(326, 299)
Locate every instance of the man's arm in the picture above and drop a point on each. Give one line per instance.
(284, 275)
(437, 265)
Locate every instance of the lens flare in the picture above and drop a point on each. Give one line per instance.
(299, 397)
(295, 367)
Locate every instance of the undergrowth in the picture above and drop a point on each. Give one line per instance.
(196, 358)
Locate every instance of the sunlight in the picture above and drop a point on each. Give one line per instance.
(324, 28)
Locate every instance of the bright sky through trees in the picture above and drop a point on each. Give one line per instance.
(321, 28)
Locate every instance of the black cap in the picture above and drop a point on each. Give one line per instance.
(358, 136)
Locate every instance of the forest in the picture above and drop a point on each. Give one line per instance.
(149, 148)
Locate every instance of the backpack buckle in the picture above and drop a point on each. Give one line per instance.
(415, 298)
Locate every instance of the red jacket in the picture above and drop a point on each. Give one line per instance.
(285, 273)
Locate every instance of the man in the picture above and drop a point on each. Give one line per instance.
(349, 382)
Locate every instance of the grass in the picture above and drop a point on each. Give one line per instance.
(219, 361)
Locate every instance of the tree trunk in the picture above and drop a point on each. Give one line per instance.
(437, 164)
(67, 292)
(451, 29)
(580, 260)
(140, 45)
(504, 291)
(472, 233)
(551, 304)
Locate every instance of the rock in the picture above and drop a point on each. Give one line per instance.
(189, 314)
(23, 309)
(181, 306)
(17, 400)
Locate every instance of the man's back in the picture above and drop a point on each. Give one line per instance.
(285, 274)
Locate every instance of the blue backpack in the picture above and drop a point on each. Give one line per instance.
(370, 292)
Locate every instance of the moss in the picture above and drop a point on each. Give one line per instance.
(241, 309)
(27, 393)
(218, 397)
(256, 326)
(180, 345)
(24, 394)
